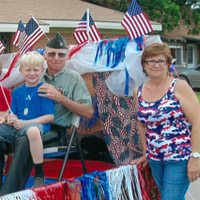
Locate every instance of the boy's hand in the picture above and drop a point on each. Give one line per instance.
(2, 120)
(11, 119)
(18, 124)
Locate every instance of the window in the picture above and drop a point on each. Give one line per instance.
(177, 53)
(190, 55)
(4, 38)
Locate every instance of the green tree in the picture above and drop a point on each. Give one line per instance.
(168, 12)
(171, 12)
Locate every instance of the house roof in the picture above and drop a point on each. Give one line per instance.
(181, 33)
(59, 14)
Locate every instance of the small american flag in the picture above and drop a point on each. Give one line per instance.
(20, 29)
(2, 48)
(135, 21)
(81, 35)
(30, 36)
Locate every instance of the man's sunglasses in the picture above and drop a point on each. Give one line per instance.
(53, 54)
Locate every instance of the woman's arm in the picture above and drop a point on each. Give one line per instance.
(191, 108)
(142, 131)
(142, 160)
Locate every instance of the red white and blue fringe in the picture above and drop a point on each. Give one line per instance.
(120, 183)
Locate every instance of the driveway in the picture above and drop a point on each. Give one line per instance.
(193, 192)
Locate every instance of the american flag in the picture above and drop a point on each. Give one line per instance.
(20, 29)
(30, 36)
(135, 21)
(13, 63)
(2, 48)
(81, 35)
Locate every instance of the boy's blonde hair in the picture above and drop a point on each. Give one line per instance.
(32, 59)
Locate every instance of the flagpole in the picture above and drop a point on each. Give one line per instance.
(88, 22)
(40, 26)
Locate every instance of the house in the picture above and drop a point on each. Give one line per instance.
(62, 16)
(185, 47)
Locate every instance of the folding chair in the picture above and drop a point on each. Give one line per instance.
(69, 147)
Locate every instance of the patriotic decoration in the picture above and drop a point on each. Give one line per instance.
(125, 182)
(20, 29)
(135, 21)
(81, 33)
(93, 58)
(2, 48)
(30, 36)
(12, 65)
(25, 39)
(120, 130)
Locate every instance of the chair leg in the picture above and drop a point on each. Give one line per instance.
(1, 168)
(73, 136)
(81, 155)
(67, 154)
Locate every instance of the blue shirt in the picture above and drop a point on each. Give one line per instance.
(27, 98)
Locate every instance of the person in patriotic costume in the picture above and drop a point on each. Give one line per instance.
(70, 94)
(4, 107)
(5, 101)
(168, 114)
(30, 114)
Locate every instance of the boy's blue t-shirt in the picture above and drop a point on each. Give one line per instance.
(27, 97)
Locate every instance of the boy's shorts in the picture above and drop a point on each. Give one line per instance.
(9, 133)
(23, 130)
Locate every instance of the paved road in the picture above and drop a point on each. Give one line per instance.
(193, 192)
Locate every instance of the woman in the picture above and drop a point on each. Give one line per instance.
(168, 114)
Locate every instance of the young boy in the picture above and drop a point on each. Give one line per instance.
(30, 113)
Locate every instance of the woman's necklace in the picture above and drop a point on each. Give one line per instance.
(28, 98)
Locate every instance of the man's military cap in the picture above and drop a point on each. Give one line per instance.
(57, 42)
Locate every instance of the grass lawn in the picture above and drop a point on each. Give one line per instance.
(198, 95)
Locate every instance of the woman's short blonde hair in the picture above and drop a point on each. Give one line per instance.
(32, 59)
(154, 50)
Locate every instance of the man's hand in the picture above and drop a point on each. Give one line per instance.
(47, 90)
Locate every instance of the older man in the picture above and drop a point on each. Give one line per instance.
(68, 90)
